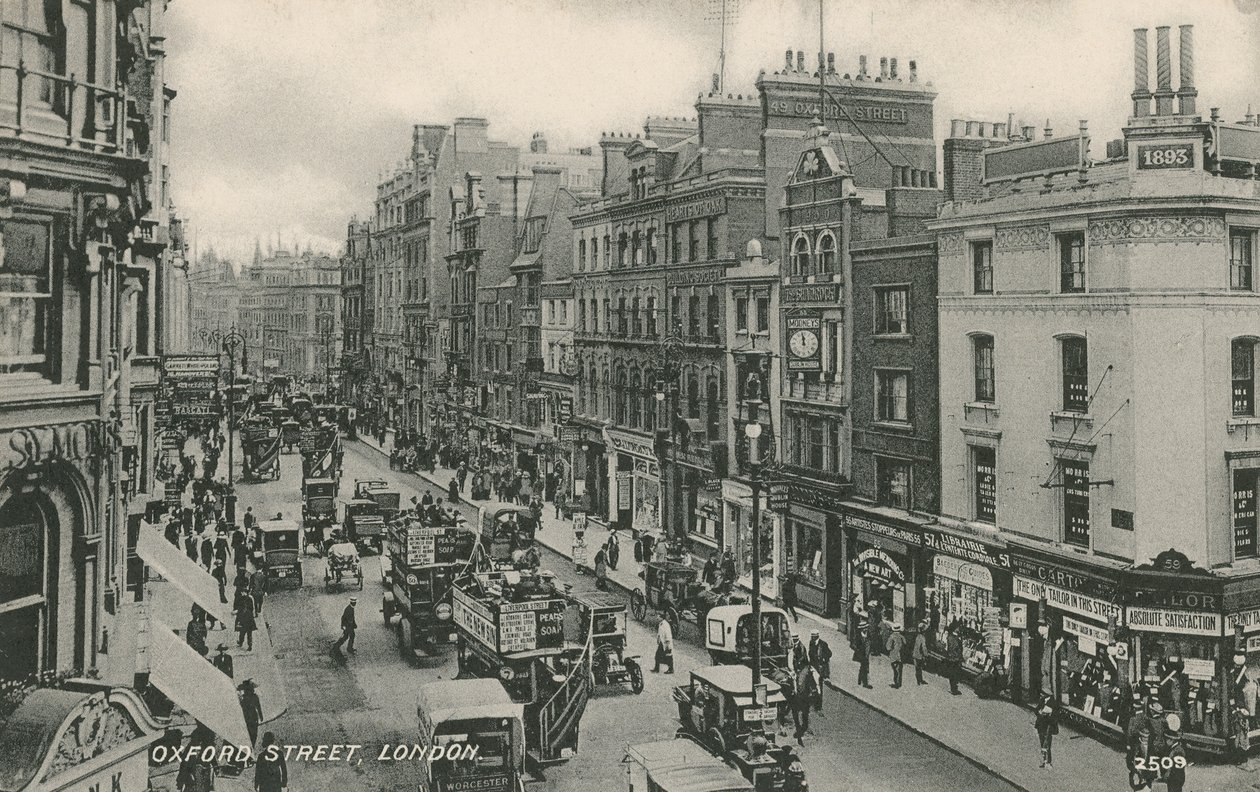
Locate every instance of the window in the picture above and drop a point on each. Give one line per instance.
(693, 397)
(594, 253)
(693, 315)
(1243, 375)
(26, 289)
(1071, 262)
(763, 314)
(621, 250)
(675, 311)
(831, 359)
(1075, 502)
(28, 39)
(892, 482)
(713, 422)
(675, 242)
(564, 312)
(581, 254)
(651, 317)
(607, 251)
(693, 240)
(636, 249)
(891, 310)
(633, 397)
(984, 484)
(623, 324)
(636, 318)
(714, 316)
(1075, 375)
(1242, 245)
(651, 246)
(982, 347)
(982, 266)
(800, 256)
(1245, 545)
(741, 313)
(622, 398)
(551, 311)
(826, 252)
(892, 395)
(712, 228)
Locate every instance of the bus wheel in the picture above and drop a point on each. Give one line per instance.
(404, 640)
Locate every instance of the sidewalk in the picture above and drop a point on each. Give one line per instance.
(993, 734)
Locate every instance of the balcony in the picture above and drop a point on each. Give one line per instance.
(64, 111)
(823, 387)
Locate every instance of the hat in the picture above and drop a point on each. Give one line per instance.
(1173, 722)
(813, 633)
(354, 599)
(896, 628)
(1156, 707)
(873, 604)
(221, 647)
(923, 625)
(246, 685)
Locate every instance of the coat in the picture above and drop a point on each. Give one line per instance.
(271, 774)
(348, 621)
(896, 646)
(820, 657)
(601, 563)
(920, 651)
(665, 636)
(953, 648)
(245, 621)
(806, 689)
(224, 663)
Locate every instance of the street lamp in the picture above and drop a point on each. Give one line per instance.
(669, 364)
(752, 431)
(230, 341)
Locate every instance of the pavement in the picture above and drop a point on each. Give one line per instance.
(994, 735)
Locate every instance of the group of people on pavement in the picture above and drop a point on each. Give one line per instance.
(803, 681)
(873, 635)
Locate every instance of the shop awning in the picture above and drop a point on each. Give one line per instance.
(189, 680)
(182, 571)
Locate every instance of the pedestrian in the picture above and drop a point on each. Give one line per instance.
(191, 545)
(819, 654)
(195, 632)
(245, 622)
(858, 640)
(251, 708)
(257, 588)
(896, 646)
(251, 522)
(601, 568)
(220, 574)
(709, 575)
(195, 773)
(1175, 750)
(271, 774)
(729, 573)
(802, 701)
(664, 647)
(919, 653)
(223, 660)
(207, 550)
(787, 592)
(953, 658)
(452, 490)
(614, 550)
(172, 530)
(348, 626)
(1046, 722)
(461, 475)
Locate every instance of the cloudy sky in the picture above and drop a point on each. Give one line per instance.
(289, 109)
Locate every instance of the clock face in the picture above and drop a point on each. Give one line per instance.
(803, 343)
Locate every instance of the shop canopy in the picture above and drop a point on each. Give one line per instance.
(186, 575)
(197, 687)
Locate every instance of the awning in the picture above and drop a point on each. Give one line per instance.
(197, 687)
(182, 571)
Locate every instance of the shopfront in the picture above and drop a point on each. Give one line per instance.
(883, 556)
(1066, 637)
(1243, 670)
(736, 503)
(967, 586)
(812, 548)
(634, 482)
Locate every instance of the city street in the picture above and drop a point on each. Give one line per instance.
(369, 698)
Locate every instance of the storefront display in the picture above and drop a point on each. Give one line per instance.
(1181, 671)
(804, 554)
(879, 578)
(742, 516)
(647, 504)
(961, 595)
(883, 560)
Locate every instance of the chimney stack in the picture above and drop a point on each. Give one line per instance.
(914, 71)
(822, 62)
(883, 68)
(861, 67)
(800, 60)
(892, 68)
(1030, 133)
(1163, 73)
(787, 61)
(1141, 80)
(1186, 92)
(1048, 132)
(831, 63)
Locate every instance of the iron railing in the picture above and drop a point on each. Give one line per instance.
(79, 114)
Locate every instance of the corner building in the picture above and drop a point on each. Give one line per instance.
(1098, 330)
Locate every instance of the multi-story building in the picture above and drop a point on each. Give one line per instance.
(1098, 324)
(82, 277)
(356, 324)
(290, 314)
(215, 296)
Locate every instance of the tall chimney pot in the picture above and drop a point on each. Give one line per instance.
(1030, 133)
(1048, 132)
(883, 68)
(800, 60)
(831, 63)
(892, 68)
(999, 130)
(1163, 73)
(1186, 92)
(861, 67)
(957, 128)
(914, 71)
(787, 60)
(1141, 69)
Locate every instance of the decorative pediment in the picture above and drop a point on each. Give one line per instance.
(1175, 562)
(817, 163)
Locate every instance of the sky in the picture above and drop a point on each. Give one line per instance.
(288, 111)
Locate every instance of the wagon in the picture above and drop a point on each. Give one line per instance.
(342, 566)
(675, 591)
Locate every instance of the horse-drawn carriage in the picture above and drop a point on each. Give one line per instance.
(675, 590)
(342, 566)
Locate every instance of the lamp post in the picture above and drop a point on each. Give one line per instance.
(752, 431)
(669, 365)
(230, 341)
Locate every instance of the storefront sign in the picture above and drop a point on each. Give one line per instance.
(1096, 634)
(1018, 616)
(883, 114)
(702, 208)
(778, 499)
(1197, 668)
(969, 549)
(694, 277)
(810, 293)
(1253, 644)
(965, 572)
(804, 343)
(1173, 621)
(493, 783)
(629, 444)
(624, 477)
(882, 529)
(190, 366)
(1063, 599)
(1062, 577)
(34, 445)
(804, 495)
(1249, 619)
(564, 411)
(876, 564)
(473, 617)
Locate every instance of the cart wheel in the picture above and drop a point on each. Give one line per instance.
(636, 676)
(638, 605)
(716, 741)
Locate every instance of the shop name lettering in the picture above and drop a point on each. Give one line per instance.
(115, 784)
(1067, 600)
(693, 277)
(37, 444)
(884, 530)
(711, 206)
(889, 115)
(1175, 620)
(969, 549)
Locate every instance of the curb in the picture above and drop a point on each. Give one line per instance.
(977, 763)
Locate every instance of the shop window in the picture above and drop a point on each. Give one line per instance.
(826, 253)
(1180, 672)
(800, 257)
(1075, 374)
(984, 484)
(1243, 376)
(892, 312)
(892, 482)
(1071, 262)
(982, 353)
(1244, 511)
(23, 602)
(892, 395)
(25, 296)
(982, 266)
(961, 596)
(1075, 502)
(806, 541)
(1242, 246)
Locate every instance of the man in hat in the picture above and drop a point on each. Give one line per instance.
(251, 708)
(858, 634)
(919, 654)
(896, 646)
(953, 658)
(222, 660)
(1145, 734)
(819, 654)
(348, 626)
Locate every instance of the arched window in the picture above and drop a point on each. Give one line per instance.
(713, 402)
(594, 253)
(634, 396)
(651, 246)
(622, 244)
(636, 249)
(24, 603)
(648, 395)
(581, 254)
(622, 397)
(607, 411)
(826, 252)
(800, 256)
(607, 251)
(693, 396)
(592, 389)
